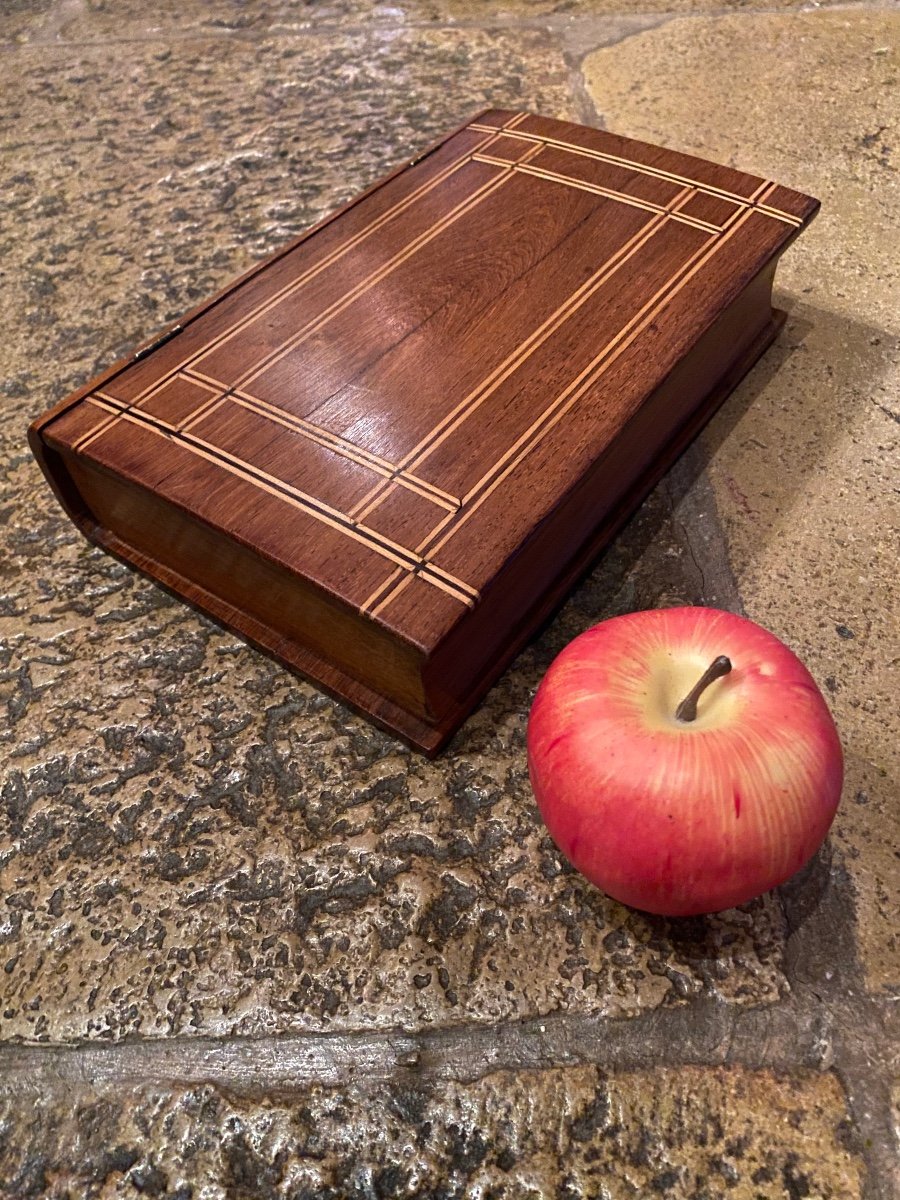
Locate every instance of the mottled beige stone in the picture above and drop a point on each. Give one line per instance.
(804, 457)
(111, 19)
(573, 1132)
(24, 20)
(197, 843)
(190, 839)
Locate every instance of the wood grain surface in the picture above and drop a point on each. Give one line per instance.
(385, 455)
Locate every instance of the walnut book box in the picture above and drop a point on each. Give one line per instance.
(386, 453)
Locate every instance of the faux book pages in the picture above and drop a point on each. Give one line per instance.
(386, 453)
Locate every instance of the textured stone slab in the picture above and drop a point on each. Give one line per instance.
(192, 840)
(805, 454)
(195, 842)
(23, 20)
(113, 19)
(577, 1132)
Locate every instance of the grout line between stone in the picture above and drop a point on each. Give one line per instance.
(583, 37)
(805, 1032)
(585, 110)
(708, 1032)
(868, 1091)
(810, 1032)
(823, 968)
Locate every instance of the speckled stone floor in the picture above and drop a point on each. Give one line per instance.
(252, 948)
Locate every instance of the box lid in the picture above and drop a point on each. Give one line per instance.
(393, 404)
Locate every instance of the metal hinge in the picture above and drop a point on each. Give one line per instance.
(160, 341)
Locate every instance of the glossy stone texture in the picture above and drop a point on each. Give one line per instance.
(38, 20)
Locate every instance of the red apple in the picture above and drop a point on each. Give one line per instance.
(671, 814)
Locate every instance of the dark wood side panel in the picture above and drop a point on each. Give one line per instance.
(562, 547)
(274, 608)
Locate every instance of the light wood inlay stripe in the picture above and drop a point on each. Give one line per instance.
(310, 505)
(305, 276)
(319, 435)
(392, 595)
(366, 607)
(460, 210)
(409, 563)
(346, 450)
(334, 441)
(83, 442)
(336, 253)
(580, 385)
(270, 413)
(382, 587)
(610, 193)
(467, 588)
(470, 403)
(210, 385)
(779, 215)
(644, 169)
(205, 410)
(589, 376)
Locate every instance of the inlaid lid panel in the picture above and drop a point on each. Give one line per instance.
(390, 406)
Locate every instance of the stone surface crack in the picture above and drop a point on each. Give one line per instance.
(887, 411)
(694, 559)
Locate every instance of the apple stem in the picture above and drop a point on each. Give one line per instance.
(687, 709)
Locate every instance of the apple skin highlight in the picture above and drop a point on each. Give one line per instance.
(673, 817)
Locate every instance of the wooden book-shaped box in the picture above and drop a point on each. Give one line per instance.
(384, 454)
